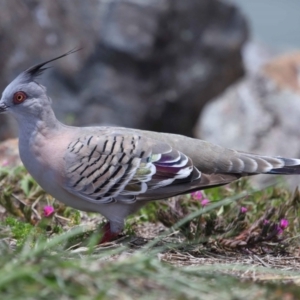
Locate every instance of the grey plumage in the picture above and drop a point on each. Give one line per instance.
(115, 170)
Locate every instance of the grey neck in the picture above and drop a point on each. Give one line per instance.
(44, 124)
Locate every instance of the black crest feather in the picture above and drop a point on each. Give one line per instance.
(36, 70)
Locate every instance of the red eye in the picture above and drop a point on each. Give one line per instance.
(19, 97)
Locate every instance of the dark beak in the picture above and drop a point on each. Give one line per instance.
(3, 107)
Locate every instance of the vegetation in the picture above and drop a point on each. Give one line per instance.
(231, 242)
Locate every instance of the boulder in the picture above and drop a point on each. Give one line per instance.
(259, 114)
(149, 64)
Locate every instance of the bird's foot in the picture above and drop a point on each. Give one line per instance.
(108, 236)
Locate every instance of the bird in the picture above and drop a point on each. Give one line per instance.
(114, 171)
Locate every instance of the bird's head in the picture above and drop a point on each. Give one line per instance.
(24, 95)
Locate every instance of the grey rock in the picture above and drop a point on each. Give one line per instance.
(131, 27)
(260, 114)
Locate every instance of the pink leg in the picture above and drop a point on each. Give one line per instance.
(107, 234)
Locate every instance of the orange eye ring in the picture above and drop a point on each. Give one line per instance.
(19, 97)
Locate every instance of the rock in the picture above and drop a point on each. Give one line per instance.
(285, 72)
(130, 28)
(261, 113)
(256, 54)
(149, 64)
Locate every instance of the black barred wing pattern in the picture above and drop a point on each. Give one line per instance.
(118, 167)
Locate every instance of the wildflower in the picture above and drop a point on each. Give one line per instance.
(284, 223)
(205, 202)
(243, 210)
(48, 211)
(197, 195)
(266, 222)
(4, 163)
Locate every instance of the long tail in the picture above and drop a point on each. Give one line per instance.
(210, 158)
(251, 164)
(239, 165)
(218, 165)
(291, 167)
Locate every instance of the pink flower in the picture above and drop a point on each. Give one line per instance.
(197, 195)
(48, 211)
(205, 202)
(4, 163)
(243, 210)
(284, 223)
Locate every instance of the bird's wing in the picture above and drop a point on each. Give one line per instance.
(121, 167)
(213, 159)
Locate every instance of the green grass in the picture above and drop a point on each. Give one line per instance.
(211, 252)
(46, 271)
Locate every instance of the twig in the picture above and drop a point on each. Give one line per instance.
(261, 261)
(33, 207)
(21, 201)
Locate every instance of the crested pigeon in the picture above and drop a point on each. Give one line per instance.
(112, 170)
